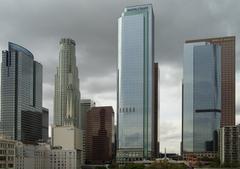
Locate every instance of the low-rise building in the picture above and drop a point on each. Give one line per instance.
(229, 144)
(7, 154)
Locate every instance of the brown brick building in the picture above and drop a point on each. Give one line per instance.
(227, 77)
(99, 135)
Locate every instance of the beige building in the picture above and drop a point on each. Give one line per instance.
(7, 154)
(229, 144)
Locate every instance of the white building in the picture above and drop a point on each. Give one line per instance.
(42, 156)
(229, 144)
(24, 156)
(7, 154)
(67, 94)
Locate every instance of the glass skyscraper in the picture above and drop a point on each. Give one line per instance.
(21, 95)
(201, 96)
(67, 94)
(135, 93)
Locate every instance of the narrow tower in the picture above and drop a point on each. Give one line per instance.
(135, 97)
(67, 94)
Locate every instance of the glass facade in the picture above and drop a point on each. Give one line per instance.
(135, 81)
(21, 92)
(201, 96)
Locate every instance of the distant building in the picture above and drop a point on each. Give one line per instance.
(65, 159)
(135, 91)
(45, 124)
(67, 94)
(7, 154)
(229, 144)
(201, 98)
(25, 156)
(67, 134)
(21, 95)
(99, 135)
(43, 156)
(86, 105)
(227, 80)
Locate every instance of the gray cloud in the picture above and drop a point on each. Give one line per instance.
(39, 25)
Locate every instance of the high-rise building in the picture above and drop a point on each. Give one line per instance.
(227, 76)
(86, 105)
(67, 94)
(201, 97)
(229, 145)
(99, 135)
(67, 135)
(21, 95)
(135, 93)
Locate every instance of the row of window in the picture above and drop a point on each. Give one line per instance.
(127, 109)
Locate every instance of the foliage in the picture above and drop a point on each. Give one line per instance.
(166, 165)
(101, 167)
(134, 166)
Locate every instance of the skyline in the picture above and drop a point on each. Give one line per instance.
(98, 47)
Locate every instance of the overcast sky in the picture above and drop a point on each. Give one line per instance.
(38, 25)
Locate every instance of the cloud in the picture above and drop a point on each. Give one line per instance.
(39, 25)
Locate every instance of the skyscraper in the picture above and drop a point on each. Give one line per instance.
(67, 136)
(201, 97)
(135, 93)
(67, 94)
(21, 95)
(227, 77)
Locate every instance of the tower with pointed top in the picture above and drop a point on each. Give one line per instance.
(67, 94)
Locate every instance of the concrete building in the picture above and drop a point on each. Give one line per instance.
(7, 154)
(135, 93)
(65, 159)
(201, 98)
(99, 135)
(67, 94)
(21, 95)
(25, 158)
(67, 134)
(42, 156)
(229, 145)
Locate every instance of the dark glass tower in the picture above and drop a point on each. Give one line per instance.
(201, 96)
(21, 95)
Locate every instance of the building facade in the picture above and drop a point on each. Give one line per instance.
(201, 97)
(67, 94)
(229, 145)
(7, 154)
(86, 105)
(21, 94)
(227, 77)
(99, 135)
(135, 93)
(67, 135)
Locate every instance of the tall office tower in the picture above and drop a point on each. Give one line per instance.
(67, 94)
(227, 77)
(201, 97)
(86, 105)
(21, 95)
(135, 93)
(99, 135)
